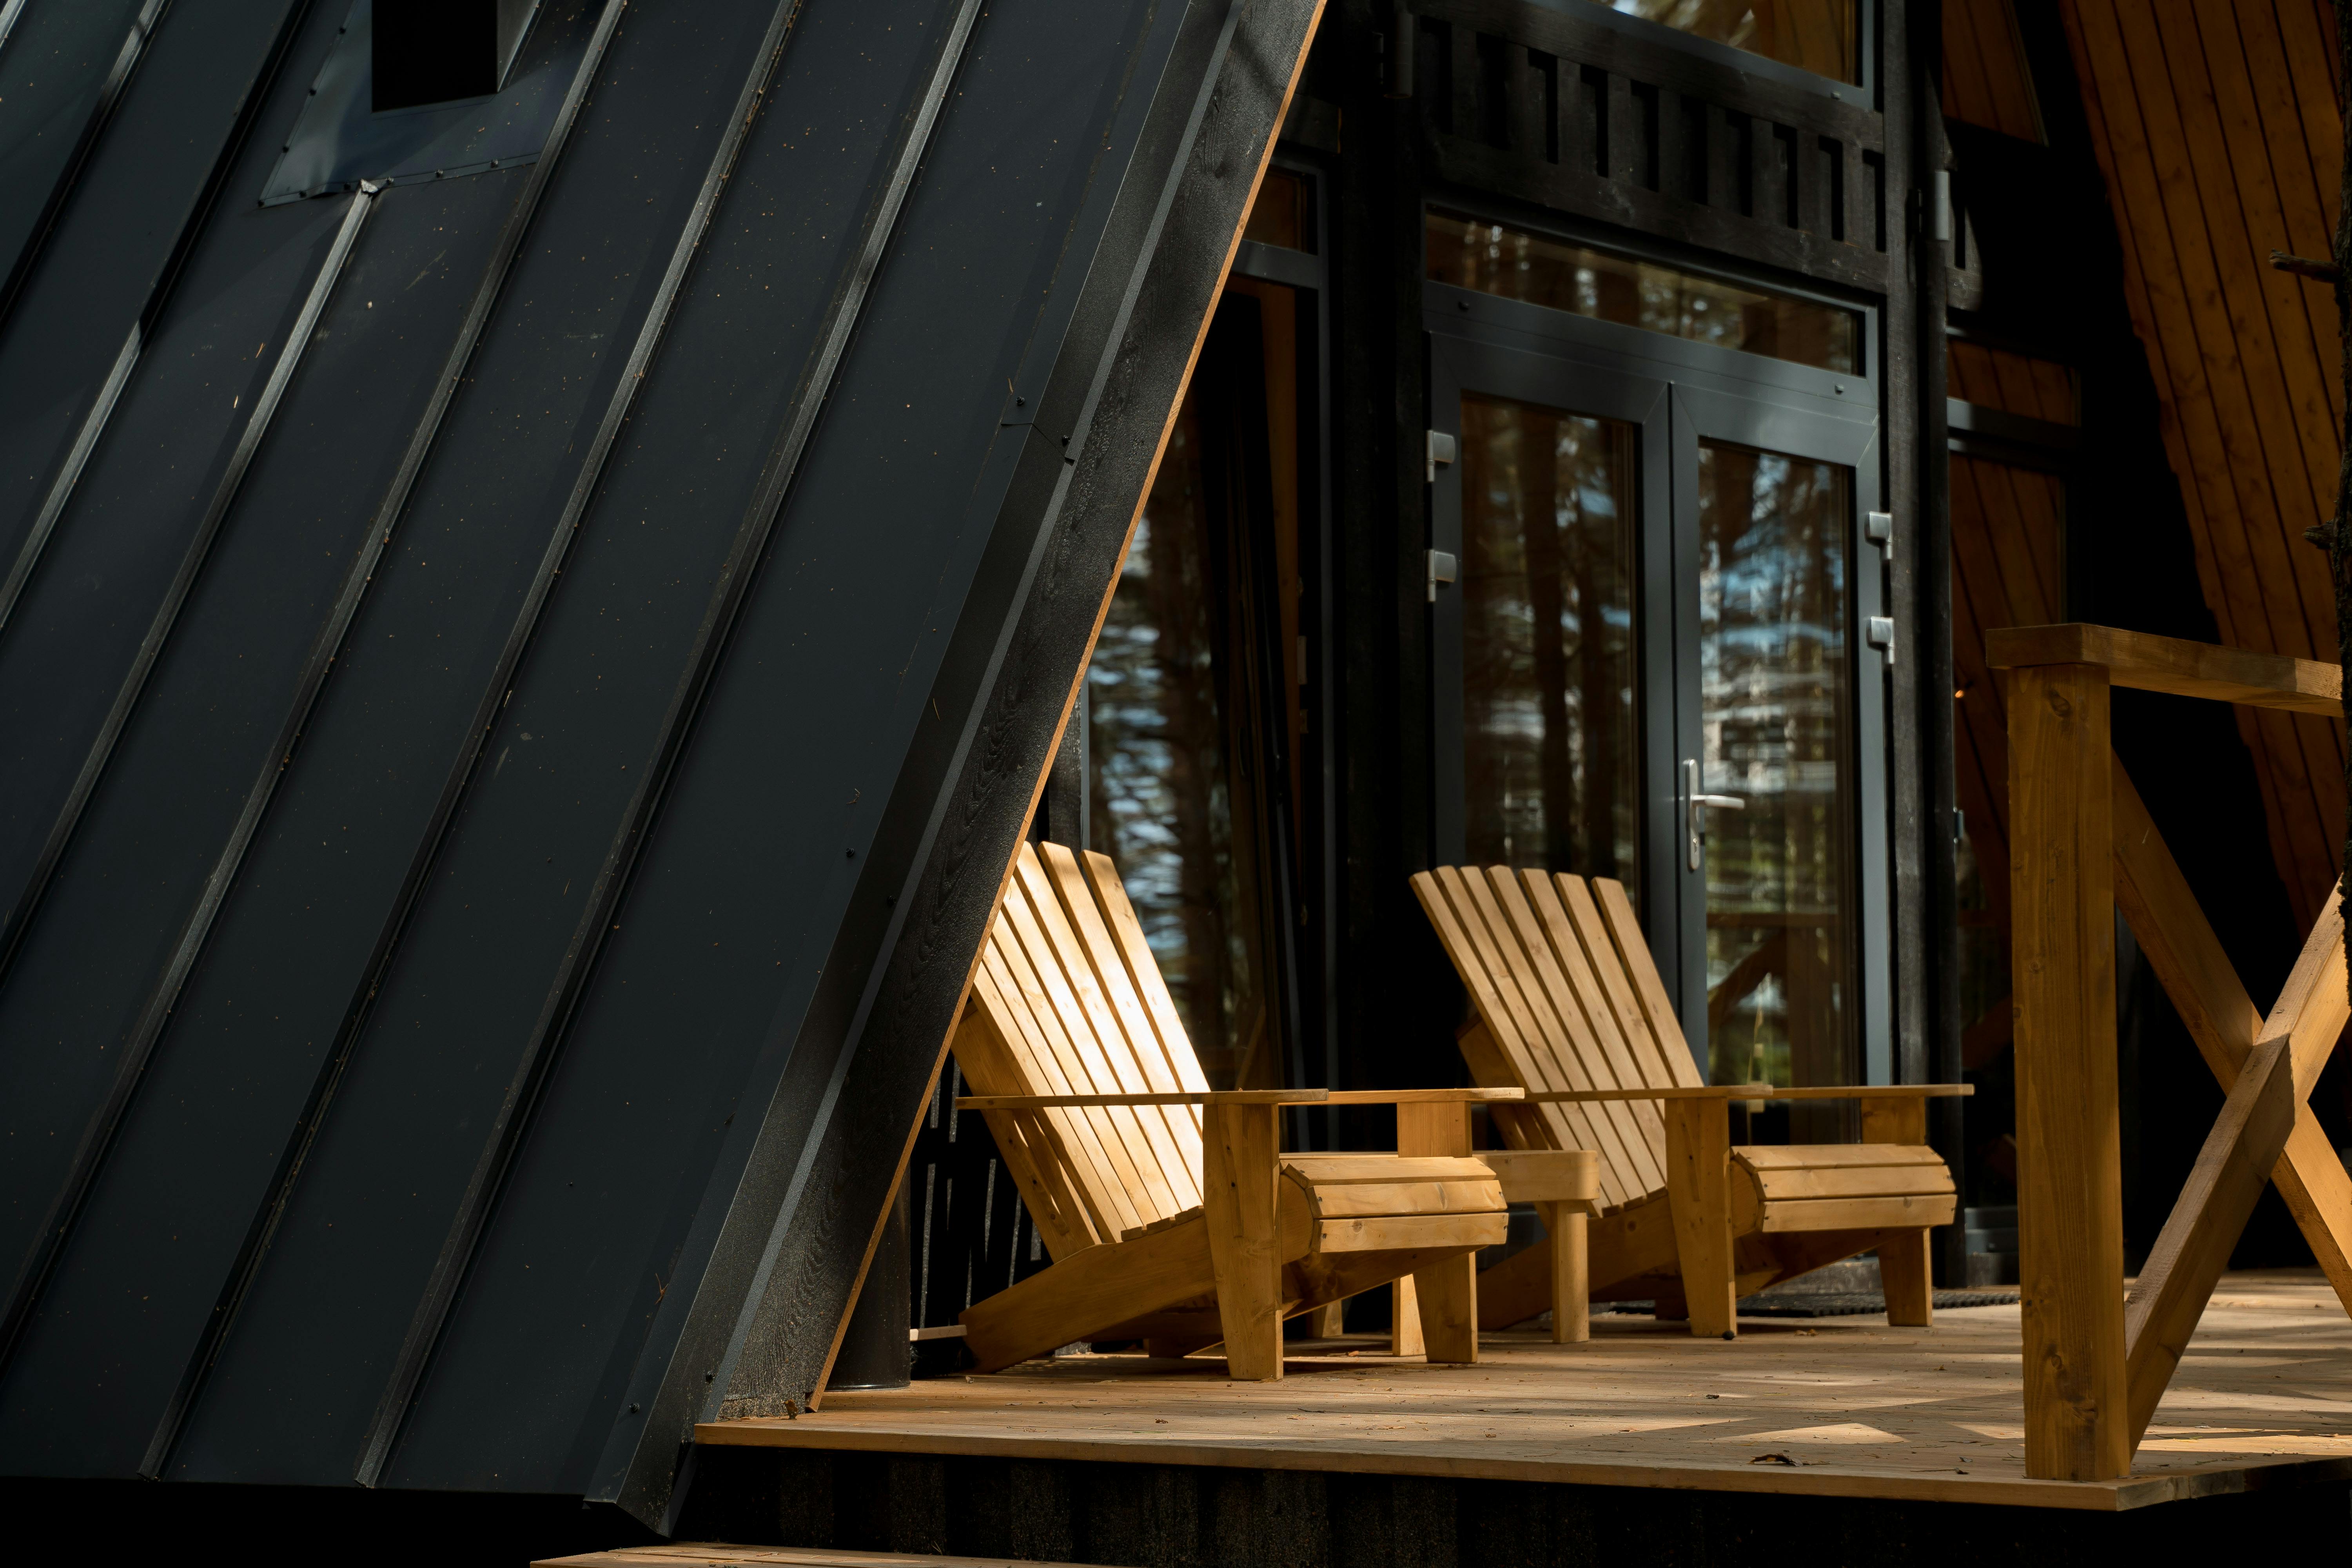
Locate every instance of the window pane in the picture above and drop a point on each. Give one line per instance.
(1280, 216)
(1470, 252)
(1818, 36)
(1547, 576)
(1776, 729)
(1193, 687)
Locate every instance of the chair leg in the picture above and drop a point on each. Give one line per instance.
(1905, 1276)
(1448, 1292)
(1449, 1309)
(1698, 1192)
(1238, 1197)
(1405, 1318)
(1572, 1279)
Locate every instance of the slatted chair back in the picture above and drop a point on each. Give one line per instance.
(1570, 999)
(1069, 1000)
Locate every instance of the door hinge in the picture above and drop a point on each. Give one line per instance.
(1879, 632)
(1878, 527)
(1439, 454)
(1441, 570)
(1398, 45)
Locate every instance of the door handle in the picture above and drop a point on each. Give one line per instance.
(1694, 801)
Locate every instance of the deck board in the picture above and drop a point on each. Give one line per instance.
(2264, 1397)
(722, 1554)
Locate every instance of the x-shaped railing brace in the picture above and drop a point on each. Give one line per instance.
(2081, 846)
(2266, 1129)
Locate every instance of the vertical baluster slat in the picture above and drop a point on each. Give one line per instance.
(1523, 103)
(1461, 61)
(1624, 141)
(1673, 158)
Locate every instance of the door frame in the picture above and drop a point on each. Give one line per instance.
(1677, 392)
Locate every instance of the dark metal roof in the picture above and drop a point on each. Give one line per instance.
(519, 687)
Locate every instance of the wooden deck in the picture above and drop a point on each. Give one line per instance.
(1825, 1407)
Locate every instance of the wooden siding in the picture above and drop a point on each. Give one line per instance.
(2215, 124)
(1985, 78)
(2008, 565)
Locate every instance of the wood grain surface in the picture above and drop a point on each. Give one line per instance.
(1864, 1409)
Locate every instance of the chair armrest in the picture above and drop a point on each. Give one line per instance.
(1544, 1175)
(1244, 1097)
(1209, 1097)
(1760, 1091)
(1423, 1096)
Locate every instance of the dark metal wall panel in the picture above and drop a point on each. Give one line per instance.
(85, 1389)
(772, 1259)
(299, 1379)
(54, 73)
(797, 207)
(72, 634)
(63, 659)
(111, 244)
(694, 1179)
(767, 827)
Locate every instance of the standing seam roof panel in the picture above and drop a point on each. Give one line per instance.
(112, 243)
(333, 1297)
(104, 1360)
(779, 585)
(64, 657)
(761, 838)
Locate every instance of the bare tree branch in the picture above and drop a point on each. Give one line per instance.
(2303, 265)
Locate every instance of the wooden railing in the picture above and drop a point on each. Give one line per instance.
(2081, 846)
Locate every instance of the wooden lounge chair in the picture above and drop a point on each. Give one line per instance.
(1570, 1008)
(1170, 1214)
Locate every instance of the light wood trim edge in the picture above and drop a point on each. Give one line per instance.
(1764, 1091)
(2174, 665)
(1245, 1096)
(2098, 1497)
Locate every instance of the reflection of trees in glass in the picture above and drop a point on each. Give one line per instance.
(1775, 707)
(1158, 797)
(1548, 639)
(1185, 788)
(1817, 36)
(1472, 254)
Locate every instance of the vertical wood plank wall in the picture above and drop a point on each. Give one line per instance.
(2215, 124)
(1986, 81)
(2008, 547)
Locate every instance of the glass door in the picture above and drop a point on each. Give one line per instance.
(1652, 599)
(1543, 523)
(1784, 696)
(1550, 743)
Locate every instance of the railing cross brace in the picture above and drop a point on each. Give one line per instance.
(2081, 846)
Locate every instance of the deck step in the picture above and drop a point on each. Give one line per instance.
(720, 1555)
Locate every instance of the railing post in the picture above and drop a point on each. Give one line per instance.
(2069, 1177)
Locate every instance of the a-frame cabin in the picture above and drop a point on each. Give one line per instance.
(552, 550)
